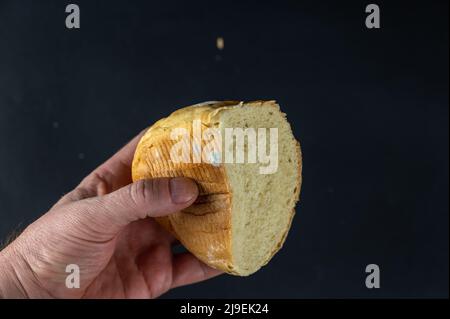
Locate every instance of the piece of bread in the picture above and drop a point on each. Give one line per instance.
(243, 214)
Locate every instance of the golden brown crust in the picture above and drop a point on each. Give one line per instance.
(205, 227)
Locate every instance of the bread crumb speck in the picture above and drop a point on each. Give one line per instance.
(220, 43)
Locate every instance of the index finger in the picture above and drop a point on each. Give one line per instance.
(187, 269)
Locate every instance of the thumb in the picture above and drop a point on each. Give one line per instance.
(108, 214)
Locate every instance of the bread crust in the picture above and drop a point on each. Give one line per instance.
(205, 227)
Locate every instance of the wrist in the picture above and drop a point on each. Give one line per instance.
(17, 277)
(10, 285)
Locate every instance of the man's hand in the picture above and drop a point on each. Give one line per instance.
(105, 227)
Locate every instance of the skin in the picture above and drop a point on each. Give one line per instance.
(106, 227)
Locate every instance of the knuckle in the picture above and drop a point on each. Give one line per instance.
(142, 192)
(147, 195)
(80, 193)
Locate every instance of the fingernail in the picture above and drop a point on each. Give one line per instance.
(182, 190)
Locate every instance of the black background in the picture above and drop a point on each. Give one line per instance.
(370, 108)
